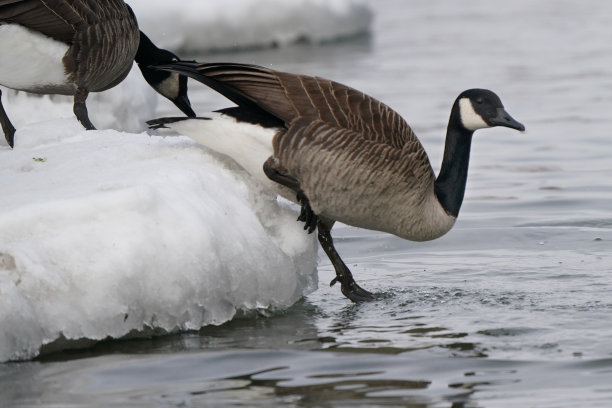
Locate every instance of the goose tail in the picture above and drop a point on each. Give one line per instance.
(163, 123)
(188, 68)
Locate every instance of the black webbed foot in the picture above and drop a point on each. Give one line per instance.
(307, 216)
(352, 290)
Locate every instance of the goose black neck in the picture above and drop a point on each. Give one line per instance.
(147, 51)
(450, 184)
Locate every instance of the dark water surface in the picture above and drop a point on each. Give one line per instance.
(512, 308)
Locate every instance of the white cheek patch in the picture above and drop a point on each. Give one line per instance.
(169, 87)
(469, 118)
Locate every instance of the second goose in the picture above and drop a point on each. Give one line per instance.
(339, 153)
(76, 47)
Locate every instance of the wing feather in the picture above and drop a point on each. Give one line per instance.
(290, 97)
(61, 19)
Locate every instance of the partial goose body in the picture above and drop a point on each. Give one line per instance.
(343, 155)
(73, 48)
(36, 68)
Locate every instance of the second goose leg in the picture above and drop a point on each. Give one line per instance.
(80, 109)
(7, 126)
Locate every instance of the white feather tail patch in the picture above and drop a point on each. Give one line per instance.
(247, 144)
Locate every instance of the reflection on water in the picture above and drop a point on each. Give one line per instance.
(300, 378)
(319, 356)
(339, 387)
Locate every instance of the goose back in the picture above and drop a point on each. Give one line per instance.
(102, 37)
(289, 96)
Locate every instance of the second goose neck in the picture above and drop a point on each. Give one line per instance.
(146, 51)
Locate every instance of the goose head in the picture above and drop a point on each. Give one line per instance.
(169, 84)
(473, 109)
(481, 108)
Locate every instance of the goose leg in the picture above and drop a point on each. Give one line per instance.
(7, 126)
(348, 286)
(306, 214)
(80, 109)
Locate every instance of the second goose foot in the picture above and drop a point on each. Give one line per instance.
(80, 109)
(7, 126)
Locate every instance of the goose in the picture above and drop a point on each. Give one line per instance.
(338, 153)
(73, 47)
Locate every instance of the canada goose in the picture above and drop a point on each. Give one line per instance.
(341, 154)
(73, 47)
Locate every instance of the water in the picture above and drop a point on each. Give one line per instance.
(510, 309)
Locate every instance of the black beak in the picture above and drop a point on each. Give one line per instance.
(503, 118)
(182, 102)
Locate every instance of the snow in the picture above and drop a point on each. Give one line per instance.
(115, 232)
(103, 233)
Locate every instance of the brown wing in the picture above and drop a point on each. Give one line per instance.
(103, 51)
(346, 108)
(59, 19)
(289, 97)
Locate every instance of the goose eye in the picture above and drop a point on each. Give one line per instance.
(479, 101)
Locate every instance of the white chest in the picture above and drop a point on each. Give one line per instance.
(31, 61)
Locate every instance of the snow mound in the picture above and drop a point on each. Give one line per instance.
(104, 233)
(111, 233)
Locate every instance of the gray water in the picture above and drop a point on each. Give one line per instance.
(512, 308)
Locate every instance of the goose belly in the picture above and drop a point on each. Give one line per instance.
(32, 61)
(382, 193)
(406, 214)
